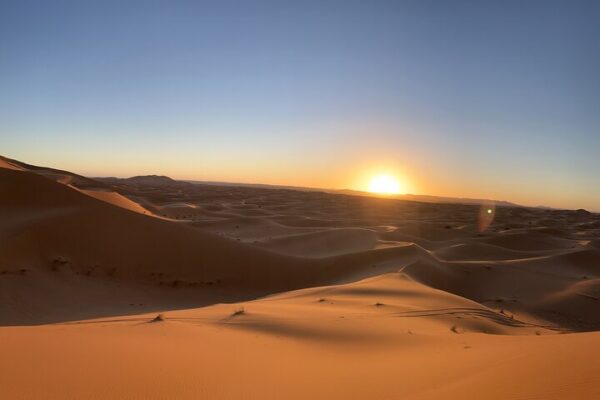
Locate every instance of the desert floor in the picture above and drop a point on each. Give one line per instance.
(148, 288)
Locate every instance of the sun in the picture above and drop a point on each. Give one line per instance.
(384, 184)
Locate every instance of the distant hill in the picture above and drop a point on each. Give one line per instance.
(148, 180)
(152, 180)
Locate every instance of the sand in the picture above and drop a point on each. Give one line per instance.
(269, 293)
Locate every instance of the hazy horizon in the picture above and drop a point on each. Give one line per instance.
(463, 99)
(316, 188)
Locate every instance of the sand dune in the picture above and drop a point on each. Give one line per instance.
(274, 293)
(117, 200)
(475, 251)
(6, 163)
(330, 242)
(529, 241)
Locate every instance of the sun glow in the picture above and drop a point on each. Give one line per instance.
(385, 184)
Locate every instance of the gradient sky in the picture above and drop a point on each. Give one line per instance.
(493, 99)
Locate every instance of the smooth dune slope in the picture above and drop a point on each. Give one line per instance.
(386, 337)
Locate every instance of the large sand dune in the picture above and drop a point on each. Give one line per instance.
(276, 293)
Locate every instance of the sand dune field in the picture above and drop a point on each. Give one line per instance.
(150, 288)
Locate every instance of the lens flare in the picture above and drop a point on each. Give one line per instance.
(487, 212)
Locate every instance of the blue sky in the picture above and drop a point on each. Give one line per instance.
(492, 99)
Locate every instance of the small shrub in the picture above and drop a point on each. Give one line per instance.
(238, 311)
(158, 318)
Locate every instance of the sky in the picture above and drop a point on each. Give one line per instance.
(483, 99)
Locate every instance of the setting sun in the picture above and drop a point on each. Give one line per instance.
(384, 184)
